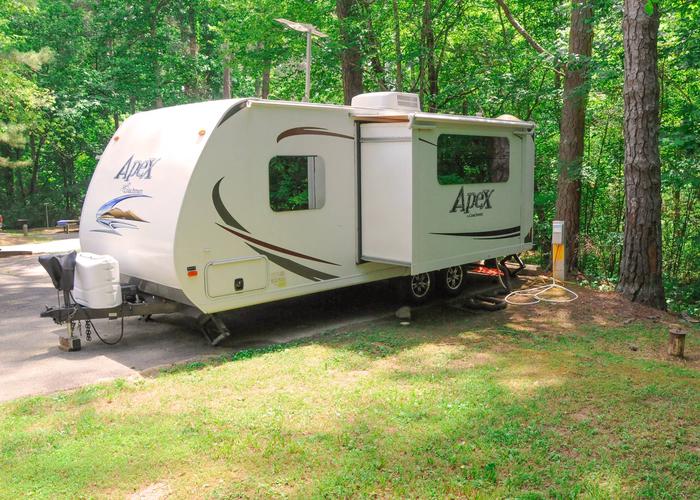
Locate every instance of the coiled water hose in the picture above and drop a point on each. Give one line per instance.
(535, 295)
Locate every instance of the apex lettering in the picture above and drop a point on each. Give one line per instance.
(466, 202)
(137, 168)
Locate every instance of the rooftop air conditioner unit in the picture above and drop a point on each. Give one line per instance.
(402, 101)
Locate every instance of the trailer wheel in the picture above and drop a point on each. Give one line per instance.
(451, 280)
(420, 287)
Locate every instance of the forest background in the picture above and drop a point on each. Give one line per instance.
(72, 71)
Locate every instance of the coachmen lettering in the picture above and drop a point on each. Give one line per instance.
(137, 168)
(480, 200)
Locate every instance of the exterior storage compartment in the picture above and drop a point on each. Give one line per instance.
(97, 281)
(227, 277)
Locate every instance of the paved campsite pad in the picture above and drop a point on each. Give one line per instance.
(31, 363)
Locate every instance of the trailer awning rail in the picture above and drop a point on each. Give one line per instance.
(419, 120)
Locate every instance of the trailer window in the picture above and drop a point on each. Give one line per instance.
(296, 183)
(472, 159)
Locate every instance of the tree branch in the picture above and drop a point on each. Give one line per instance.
(519, 28)
(528, 38)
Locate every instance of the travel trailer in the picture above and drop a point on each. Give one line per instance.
(225, 204)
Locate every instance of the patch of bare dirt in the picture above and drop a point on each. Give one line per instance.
(34, 236)
(155, 491)
(603, 308)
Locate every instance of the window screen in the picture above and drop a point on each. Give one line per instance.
(296, 183)
(472, 159)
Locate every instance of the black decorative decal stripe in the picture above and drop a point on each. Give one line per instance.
(509, 233)
(232, 111)
(506, 236)
(221, 209)
(294, 267)
(427, 142)
(311, 131)
(290, 265)
(275, 247)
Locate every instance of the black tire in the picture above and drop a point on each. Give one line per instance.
(451, 280)
(420, 287)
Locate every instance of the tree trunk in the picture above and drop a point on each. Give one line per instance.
(227, 82)
(640, 266)
(350, 55)
(35, 147)
(265, 90)
(227, 73)
(573, 125)
(428, 36)
(375, 59)
(192, 86)
(155, 64)
(397, 46)
(672, 266)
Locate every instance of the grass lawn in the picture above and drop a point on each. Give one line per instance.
(529, 403)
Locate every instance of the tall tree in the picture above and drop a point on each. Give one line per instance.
(572, 126)
(428, 65)
(640, 267)
(397, 44)
(350, 54)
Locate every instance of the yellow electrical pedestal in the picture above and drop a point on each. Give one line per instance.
(559, 250)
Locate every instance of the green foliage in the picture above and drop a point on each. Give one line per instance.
(289, 183)
(71, 72)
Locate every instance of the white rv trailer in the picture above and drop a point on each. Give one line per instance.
(230, 203)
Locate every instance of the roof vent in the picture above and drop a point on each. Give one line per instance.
(387, 100)
(509, 118)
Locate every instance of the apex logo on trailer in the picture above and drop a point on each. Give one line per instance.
(136, 168)
(469, 201)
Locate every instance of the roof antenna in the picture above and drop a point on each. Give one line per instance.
(309, 29)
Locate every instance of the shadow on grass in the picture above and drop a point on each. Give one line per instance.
(453, 405)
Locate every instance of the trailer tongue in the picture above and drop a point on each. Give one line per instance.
(94, 281)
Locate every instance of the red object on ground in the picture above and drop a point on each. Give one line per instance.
(487, 271)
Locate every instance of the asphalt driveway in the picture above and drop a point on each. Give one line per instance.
(31, 363)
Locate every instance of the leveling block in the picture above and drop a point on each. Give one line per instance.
(68, 342)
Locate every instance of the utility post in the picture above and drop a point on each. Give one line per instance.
(559, 250)
(309, 29)
(307, 87)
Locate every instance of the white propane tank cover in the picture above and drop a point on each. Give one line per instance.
(96, 283)
(402, 101)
